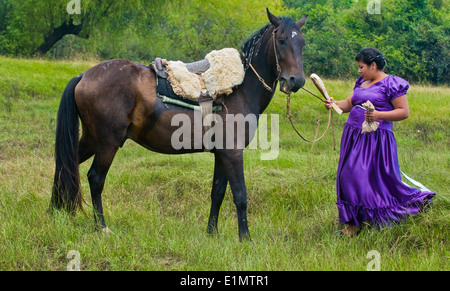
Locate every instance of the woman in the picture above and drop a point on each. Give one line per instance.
(369, 185)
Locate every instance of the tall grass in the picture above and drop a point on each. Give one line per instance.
(158, 205)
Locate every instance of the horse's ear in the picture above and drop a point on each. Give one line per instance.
(302, 21)
(273, 19)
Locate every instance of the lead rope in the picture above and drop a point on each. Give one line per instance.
(312, 146)
(330, 117)
(330, 120)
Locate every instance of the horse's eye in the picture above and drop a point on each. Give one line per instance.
(281, 41)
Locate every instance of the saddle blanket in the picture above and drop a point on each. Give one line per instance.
(165, 92)
(225, 72)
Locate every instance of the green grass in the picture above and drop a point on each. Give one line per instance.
(158, 205)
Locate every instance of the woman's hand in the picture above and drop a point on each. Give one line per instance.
(328, 103)
(371, 116)
(345, 105)
(400, 112)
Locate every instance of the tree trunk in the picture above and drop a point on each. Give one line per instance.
(57, 34)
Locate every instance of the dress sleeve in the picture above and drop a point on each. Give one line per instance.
(358, 82)
(397, 87)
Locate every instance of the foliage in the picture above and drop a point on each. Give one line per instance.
(413, 34)
(28, 23)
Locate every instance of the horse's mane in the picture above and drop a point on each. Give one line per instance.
(248, 48)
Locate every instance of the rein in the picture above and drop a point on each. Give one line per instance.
(268, 88)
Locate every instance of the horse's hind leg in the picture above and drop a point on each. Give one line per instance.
(96, 176)
(86, 148)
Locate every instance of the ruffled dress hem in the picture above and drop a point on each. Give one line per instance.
(383, 216)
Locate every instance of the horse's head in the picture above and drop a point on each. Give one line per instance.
(288, 46)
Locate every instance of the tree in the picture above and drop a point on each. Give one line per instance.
(35, 26)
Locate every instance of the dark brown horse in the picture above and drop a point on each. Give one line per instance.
(116, 100)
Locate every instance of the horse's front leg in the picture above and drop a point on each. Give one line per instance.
(220, 182)
(234, 168)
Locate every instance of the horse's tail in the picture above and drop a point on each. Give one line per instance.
(66, 192)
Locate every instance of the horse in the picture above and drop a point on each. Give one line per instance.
(116, 100)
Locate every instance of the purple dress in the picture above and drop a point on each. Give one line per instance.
(369, 184)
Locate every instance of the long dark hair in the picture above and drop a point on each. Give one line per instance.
(370, 55)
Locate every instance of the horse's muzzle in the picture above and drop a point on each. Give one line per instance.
(292, 84)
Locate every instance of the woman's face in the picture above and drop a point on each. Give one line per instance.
(367, 72)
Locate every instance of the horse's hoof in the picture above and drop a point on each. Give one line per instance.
(106, 230)
(245, 238)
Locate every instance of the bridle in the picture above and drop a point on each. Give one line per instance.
(268, 88)
(288, 97)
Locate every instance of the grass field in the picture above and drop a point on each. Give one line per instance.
(158, 205)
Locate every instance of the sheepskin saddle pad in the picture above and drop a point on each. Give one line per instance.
(224, 72)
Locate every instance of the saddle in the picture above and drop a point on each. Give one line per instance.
(195, 67)
(217, 74)
(201, 82)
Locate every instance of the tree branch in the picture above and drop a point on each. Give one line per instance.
(57, 34)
